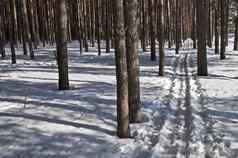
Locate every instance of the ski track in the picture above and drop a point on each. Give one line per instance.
(186, 130)
(214, 145)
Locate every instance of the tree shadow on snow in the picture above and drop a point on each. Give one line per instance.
(20, 142)
(226, 116)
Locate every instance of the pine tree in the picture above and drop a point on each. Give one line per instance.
(223, 38)
(13, 30)
(161, 39)
(236, 31)
(121, 71)
(216, 27)
(152, 30)
(202, 25)
(61, 42)
(132, 52)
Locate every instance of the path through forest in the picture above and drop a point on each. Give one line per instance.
(185, 126)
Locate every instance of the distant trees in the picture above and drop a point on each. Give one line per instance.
(127, 26)
(90, 21)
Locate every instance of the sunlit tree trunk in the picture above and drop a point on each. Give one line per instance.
(121, 71)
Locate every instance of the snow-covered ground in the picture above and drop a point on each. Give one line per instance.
(189, 116)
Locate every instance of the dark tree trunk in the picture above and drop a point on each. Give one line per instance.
(62, 55)
(236, 34)
(98, 27)
(209, 32)
(2, 39)
(178, 27)
(216, 29)
(26, 33)
(227, 10)
(161, 39)
(143, 39)
(152, 30)
(2, 49)
(194, 25)
(202, 25)
(107, 28)
(31, 28)
(13, 30)
(223, 30)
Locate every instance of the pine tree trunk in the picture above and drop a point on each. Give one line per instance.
(121, 71)
(161, 39)
(26, 34)
(178, 27)
(2, 38)
(194, 25)
(216, 29)
(227, 10)
(80, 30)
(31, 27)
(13, 30)
(152, 30)
(209, 33)
(2, 45)
(143, 39)
(62, 55)
(107, 28)
(132, 50)
(98, 26)
(236, 34)
(85, 24)
(223, 38)
(202, 25)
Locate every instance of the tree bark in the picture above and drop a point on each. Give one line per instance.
(161, 39)
(13, 30)
(62, 55)
(152, 30)
(236, 34)
(216, 29)
(202, 25)
(223, 38)
(121, 71)
(132, 40)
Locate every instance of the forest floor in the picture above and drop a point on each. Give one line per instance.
(188, 116)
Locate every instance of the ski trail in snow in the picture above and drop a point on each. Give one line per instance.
(176, 133)
(186, 130)
(171, 130)
(159, 120)
(188, 117)
(213, 144)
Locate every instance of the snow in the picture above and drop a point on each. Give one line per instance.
(187, 115)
